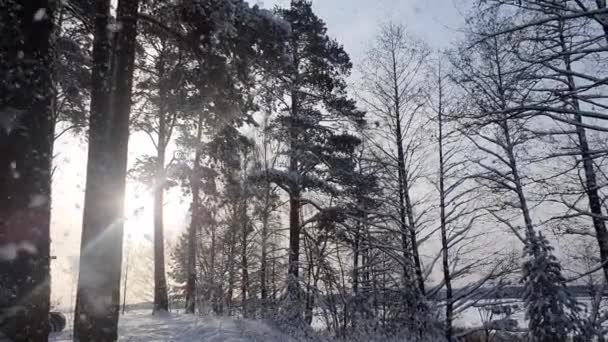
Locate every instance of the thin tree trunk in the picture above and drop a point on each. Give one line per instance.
(356, 253)
(405, 205)
(447, 278)
(124, 287)
(161, 299)
(309, 271)
(591, 186)
(215, 291)
(231, 276)
(98, 299)
(244, 261)
(264, 253)
(356, 259)
(25, 167)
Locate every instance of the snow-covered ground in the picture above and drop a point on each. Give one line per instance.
(142, 326)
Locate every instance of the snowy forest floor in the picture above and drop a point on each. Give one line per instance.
(141, 326)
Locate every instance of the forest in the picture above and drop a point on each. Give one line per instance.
(382, 198)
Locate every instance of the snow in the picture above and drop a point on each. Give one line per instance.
(10, 251)
(38, 201)
(141, 325)
(40, 14)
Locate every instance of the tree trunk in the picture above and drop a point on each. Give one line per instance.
(26, 140)
(447, 277)
(215, 288)
(591, 186)
(125, 283)
(231, 257)
(98, 298)
(294, 247)
(264, 256)
(161, 299)
(194, 224)
(244, 267)
(309, 299)
(293, 287)
(405, 205)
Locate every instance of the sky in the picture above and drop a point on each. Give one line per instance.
(354, 23)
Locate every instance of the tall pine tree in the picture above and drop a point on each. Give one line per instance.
(313, 81)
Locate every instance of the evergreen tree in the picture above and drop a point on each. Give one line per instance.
(311, 122)
(550, 308)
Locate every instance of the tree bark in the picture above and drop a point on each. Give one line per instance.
(408, 230)
(244, 262)
(25, 167)
(293, 287)
(125, 283)
(98, 298)
(590, 181)
(161, 300)
(264, 252)
(194, 225)
(447, 278)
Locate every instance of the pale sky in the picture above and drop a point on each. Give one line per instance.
(354, 23)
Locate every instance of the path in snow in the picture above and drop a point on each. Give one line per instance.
(141, 326)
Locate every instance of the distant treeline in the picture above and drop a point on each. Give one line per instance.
(517, 292)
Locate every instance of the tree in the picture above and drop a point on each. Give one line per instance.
(98, 298)
(550, 308)
(71, 72)
(394, 93)
(162, 87)
(266, 206)
(573, 36)
(313, 83)
(26, 112)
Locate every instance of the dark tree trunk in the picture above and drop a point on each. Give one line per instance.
(215, 288)
(293, 288)
(98, 298)
(26, 140)
(308, 308)
(194, 224)
(125, 283)
(161, 300)
(294, 247)
(590, 180)
(408, 230)
(445, 248)
(264, 256)
(231, 262)
(244, 265)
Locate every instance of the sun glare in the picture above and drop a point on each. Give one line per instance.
(139, 209)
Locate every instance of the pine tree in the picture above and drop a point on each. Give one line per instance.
(164, 65)
(550, 308)
(26, 139)
(309, 124)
